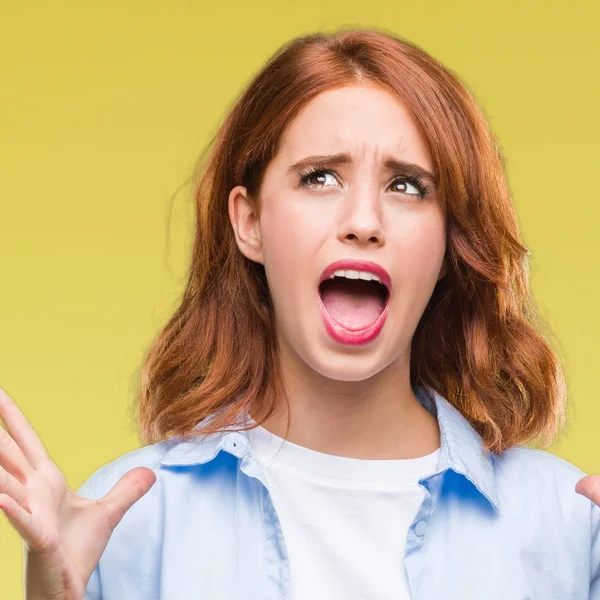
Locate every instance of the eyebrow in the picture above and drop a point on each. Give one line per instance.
(390, 162)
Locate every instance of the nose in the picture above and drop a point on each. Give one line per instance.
(362, 217)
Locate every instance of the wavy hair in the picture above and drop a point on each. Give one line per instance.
(480, 342)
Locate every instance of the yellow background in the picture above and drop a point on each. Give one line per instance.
(104, 108)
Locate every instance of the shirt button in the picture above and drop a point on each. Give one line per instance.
(237, 443)
(420, 528)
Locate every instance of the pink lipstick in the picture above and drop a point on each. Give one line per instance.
(336, 330)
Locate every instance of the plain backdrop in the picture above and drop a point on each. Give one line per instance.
(105, 108)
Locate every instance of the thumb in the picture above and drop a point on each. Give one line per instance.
(126, 492)
(589, 487)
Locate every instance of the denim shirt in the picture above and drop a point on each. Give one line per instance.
(508, 526)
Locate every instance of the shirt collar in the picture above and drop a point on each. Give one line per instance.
(461, 446)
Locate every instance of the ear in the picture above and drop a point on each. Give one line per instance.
(245, 223)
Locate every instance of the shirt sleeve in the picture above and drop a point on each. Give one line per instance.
(595, 554)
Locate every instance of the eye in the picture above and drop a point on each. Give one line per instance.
(316, 174)
(412, 186)
(408, 183)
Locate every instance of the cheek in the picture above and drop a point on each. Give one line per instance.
(292, 230)
(286, 252)
(421, 247)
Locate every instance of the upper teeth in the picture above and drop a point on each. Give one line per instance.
(356, 275)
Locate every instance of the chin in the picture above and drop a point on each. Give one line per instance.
(347, 366)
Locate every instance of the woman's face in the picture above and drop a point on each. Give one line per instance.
(365, 208)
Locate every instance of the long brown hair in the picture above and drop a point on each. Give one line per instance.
(480, 342)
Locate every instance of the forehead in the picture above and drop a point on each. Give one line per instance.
(364, 120)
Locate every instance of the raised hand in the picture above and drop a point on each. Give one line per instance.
(64, 534)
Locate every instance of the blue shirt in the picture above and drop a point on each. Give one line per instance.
(507, 527)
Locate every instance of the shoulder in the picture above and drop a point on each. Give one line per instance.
(104, 477)
(184, 504)
(185, 477)
(540, 476)
(543, 465)
(542, 484)
(130, 558)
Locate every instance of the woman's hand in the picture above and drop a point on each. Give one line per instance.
(589, 487)
(64, 534)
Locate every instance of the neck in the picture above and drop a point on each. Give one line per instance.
(376, 418)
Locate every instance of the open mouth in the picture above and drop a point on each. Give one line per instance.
(353, 303)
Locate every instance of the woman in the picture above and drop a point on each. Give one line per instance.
(338, 407)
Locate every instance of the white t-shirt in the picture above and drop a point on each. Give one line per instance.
(344, 520)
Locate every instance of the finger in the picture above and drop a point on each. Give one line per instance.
(12, 459)
(21, 431)
(19, 518)
(9, 485)
(128, 490)
(589, 487)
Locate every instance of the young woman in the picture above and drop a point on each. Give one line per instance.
(339, 407)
